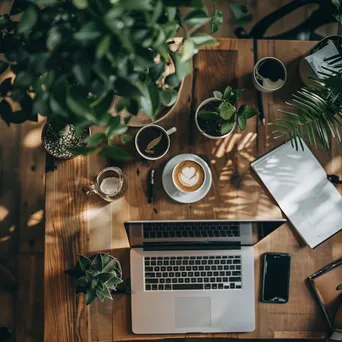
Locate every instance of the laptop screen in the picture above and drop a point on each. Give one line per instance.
(234, 232)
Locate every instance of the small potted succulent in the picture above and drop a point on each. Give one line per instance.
(96, 276)
(218, 116)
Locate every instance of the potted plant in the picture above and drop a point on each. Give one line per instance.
(96, 276)
(218, 116)
(67, 60)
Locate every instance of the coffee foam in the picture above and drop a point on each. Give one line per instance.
(189, 176)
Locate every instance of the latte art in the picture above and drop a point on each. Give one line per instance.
(188, 176)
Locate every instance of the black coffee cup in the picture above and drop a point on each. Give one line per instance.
(153, 142)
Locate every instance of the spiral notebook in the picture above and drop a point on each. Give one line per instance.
(299, 184)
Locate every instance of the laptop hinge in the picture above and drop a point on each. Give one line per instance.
(152, 246)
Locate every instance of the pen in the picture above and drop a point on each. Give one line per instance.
(151, 189)
(261, 108)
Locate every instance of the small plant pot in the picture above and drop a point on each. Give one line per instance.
(211, 99)
(55, 143)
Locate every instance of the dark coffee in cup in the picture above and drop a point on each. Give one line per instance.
(153, 142)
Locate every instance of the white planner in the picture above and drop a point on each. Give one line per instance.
(299, 184)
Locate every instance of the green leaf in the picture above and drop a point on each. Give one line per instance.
(336, 3)
(23, 80)
(116, 153)
(29, 19)
(105, 276)
(196, 17)
(5, 111)
(94, 282)
(171, 13)
(240, 13)
(184, 3)
(217, 95)
(99, 295)
(235, 95)
(183, 68)
(19, 116)
(88, 32)
(102, 105)
(96, 138)
(103, 47)
(84, 262)
(242, 122)
(168, 97)
(188, 50)
(227, 93)
(90, 296)
(156, 71)
(227, 110)
(104, 292)
(4, 20)
(207, 115)
(150, 100)
(83, 281)
(81, 150)
(172, 80)
(110, 266)
(124, 87)
(80, 4)
(125, 138)
(82, 73)
(3, 67)
(216, 20)
(203, 39)
(247, 111)
(226, 126)
(113, 282)
(136, 5)
(96, 264)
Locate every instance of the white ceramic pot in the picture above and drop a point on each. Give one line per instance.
(211, 99)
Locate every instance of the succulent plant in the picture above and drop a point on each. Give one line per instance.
(217, 118)
(96, 276)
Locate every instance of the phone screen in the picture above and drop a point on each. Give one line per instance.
(276, 277)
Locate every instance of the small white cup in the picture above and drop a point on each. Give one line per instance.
(257, 85)
(175, 184)
(167, 133)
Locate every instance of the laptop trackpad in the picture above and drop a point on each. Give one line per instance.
(192, 312)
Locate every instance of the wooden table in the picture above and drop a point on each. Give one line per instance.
(79, 224)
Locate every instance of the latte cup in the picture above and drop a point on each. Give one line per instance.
(188, 175)
(144, 147)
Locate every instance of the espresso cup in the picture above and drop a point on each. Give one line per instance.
(188, 176)
(269, 74)
(153, 142)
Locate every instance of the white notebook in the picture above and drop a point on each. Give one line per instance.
(299, 184)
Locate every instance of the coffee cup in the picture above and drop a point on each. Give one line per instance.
(188, 176)
(153, 142)
(269, 74)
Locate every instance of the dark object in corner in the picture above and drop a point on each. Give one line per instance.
(5, 334)
(305, 31)
(334, 179)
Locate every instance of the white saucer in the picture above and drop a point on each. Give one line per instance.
(173, 192)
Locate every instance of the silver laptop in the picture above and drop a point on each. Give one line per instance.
(194, 276)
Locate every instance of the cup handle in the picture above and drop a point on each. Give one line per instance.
(171, 130)
(89, 190)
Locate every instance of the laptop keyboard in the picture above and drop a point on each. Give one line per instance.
(183, 229)
(192, 273)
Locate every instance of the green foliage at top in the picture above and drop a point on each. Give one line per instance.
(315, 112)
(96, 276)
(70, 57)
(227, 112)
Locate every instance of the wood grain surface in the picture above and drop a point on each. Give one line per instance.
(79, 224)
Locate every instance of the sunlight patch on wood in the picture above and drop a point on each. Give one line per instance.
(35, 218)
(3, 212)
(33, 138)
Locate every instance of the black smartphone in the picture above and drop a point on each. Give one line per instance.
(276, 278)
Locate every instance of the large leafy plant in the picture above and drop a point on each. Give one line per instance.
(70, 57)
(222, 113)
(316, 112)
(96, 276)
